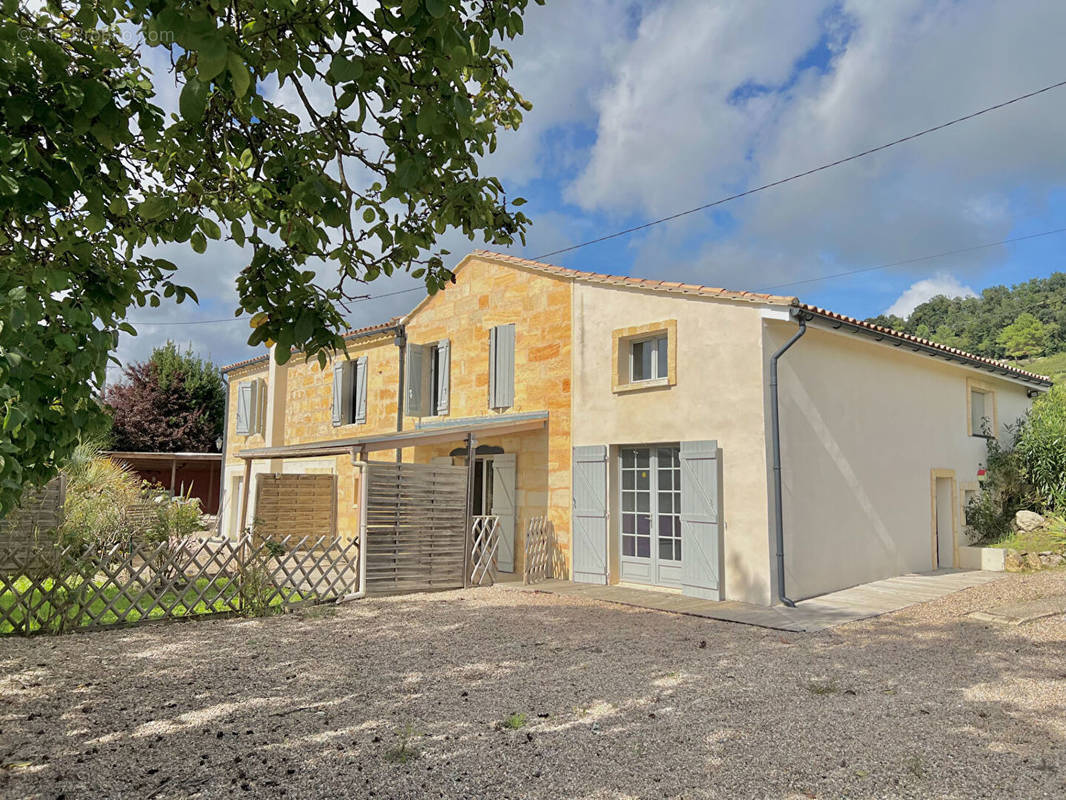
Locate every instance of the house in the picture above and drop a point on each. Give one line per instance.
(727, 445)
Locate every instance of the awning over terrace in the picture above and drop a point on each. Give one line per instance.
(424, 434)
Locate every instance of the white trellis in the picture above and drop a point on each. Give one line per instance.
(485, 535)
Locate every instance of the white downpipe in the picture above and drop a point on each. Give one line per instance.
(361, 468)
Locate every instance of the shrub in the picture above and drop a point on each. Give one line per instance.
(1004, 492)
(175, 517)
(1042, 449)
(100, 497)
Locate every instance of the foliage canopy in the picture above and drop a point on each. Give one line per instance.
(315, 134)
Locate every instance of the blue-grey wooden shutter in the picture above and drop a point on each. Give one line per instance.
(338, 403)
(493, 332)
(443, 375)
(700, 519)
(417, 397)
(589, 516)
(244, 408)
(503, 366)
(360, 390)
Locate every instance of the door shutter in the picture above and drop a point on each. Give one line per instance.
(244, 408)
(443, 375)
(417, 394)
(700, 519)
(589, 516)
(501, 366)
(360, 390)
(504, 506)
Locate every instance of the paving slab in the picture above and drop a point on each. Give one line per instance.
(1020, 613)
(815, 614)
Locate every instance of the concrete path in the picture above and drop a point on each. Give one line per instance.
(818, 613)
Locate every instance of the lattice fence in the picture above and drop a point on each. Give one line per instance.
(61, 589)
(485, 535)
(543, 559)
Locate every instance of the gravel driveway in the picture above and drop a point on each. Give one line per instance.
(406, 698)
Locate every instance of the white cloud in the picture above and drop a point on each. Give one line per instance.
(674, 133)
(920, 291)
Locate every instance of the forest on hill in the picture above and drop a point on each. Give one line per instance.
(1022, 322)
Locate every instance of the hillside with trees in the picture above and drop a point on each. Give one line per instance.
(1019, 323)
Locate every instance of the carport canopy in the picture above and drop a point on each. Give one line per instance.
(429, 433)
(358, 447)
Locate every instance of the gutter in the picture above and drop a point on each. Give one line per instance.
(775, 438)
(360, 466)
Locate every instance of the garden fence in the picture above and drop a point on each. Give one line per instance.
(65, 588)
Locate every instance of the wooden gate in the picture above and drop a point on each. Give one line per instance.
(415, 527)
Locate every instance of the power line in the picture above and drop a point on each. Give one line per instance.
(803, 174)
(915, 260)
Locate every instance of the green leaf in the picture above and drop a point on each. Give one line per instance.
(210, 228)
(153, 208)
(239, 72)
(344, 69)
(369, 215)
(211, 60)
(198, 241)
(193, 100)
(236, 230)
(436, 8)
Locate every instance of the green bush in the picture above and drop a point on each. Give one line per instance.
(100, 497)
(1004, 491)
(175, 517)
(1042, 449)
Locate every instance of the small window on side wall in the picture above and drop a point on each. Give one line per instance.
(981, 408)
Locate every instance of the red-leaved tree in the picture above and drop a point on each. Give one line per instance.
(171, 403)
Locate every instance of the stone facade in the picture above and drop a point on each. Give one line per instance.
(485, 294)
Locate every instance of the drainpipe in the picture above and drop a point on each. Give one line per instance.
(222, 467)
(401, 343)
(775, 438)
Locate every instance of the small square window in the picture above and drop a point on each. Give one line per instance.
(649, 359)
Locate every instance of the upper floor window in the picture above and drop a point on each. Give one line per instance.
(649, 359)
(349, 391)
(645, 356)
(428, 379)
(981, 407)
(251, 407)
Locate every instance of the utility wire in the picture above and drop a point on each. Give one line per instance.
(803, 174)
(915, 260)
(737, 196)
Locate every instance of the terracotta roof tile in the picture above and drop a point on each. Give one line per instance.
(908, 337)
(357, 332)
(641, 283)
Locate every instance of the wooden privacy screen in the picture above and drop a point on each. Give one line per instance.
(416, 527)
(31, 526)
(295, 505)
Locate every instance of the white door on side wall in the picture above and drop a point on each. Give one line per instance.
(504, 506)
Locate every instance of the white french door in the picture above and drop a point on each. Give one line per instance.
(650, 501)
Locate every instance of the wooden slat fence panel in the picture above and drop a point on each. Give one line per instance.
(543, 559)
(288, 503)
(26, 528)
(59, 589)
(416, 527)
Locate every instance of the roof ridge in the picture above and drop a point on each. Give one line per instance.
(671, 287)
(350, 332)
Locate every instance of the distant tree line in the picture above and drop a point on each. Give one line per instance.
(1023, 321)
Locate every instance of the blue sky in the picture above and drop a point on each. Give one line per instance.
(644, 109)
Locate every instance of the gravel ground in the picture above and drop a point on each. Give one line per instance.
(406, 698)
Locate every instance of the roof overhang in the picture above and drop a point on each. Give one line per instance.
(427, 434)
(834, 321)
(134, 455)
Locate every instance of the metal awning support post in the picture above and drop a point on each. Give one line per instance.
(244, 497)
(471, 445)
